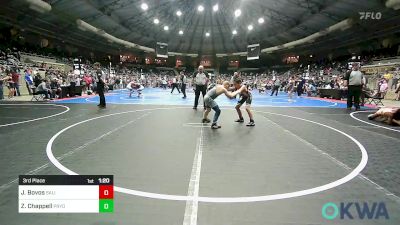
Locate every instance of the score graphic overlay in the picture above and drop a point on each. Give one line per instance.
(66, 194)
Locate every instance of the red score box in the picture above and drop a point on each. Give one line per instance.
(106, 191)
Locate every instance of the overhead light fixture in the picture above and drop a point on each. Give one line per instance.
(238, 12)
(215, 7)
(166, 28)
(250, 27)
(144, 6)
(156, 21)
(261, 20)
(179, 13)
(234, 32)
(207, 34)
(200, 8)
(181, 32)
(39, 6)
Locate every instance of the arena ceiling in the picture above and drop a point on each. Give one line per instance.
(206, 32)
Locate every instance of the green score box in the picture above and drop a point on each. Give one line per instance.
(106, 205)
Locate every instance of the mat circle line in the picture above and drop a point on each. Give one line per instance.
(372, 124)
(354, 173)
(36, 119)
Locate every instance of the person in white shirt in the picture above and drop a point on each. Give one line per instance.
(200, 85)
(175, 85)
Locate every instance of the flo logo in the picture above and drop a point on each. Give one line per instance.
(355, 210)
(370, 15)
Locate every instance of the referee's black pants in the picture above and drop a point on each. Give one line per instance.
(199, 89)
(354, 92)
(183, 89)
(100, 91)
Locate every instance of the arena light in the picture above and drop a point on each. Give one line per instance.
(215, 7)
(234, 32)
(207, 34)
(144, 6)
(166, 28)
(181, 32)
(261, 20)
(39, 6)
(200, 8)
(179, 13)
(82, 25)
(250, 27)
(156, 21)
(238, 12)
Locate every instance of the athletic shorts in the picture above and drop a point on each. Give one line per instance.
(209, 102)
(245, 98)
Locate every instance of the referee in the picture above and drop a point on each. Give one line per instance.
(100, 85)
(200, 85)
(354, 82)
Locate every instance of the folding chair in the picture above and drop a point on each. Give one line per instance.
(369, 99)
(36, 96)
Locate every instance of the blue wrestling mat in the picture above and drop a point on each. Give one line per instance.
(156, 96)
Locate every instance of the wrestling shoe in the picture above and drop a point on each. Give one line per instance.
(239, 120)
(215, 126)
(251, 124)
(206, 121)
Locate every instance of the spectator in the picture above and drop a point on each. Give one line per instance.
(15, 78)
(28, 81)
(395, 81)
(42, 89)
(55, 88)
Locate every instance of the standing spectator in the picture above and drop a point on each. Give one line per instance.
(395, 81)
(15, 78)
(383, 88)
(100, 85)
(88, 81)
(300, 87)
(184, 83)
(354, 82)
(1, 86)
(10, 85)
(28, 81)
(200, 85)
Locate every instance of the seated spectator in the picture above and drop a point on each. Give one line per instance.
(390, 116)
(37, 79)
(42, 89)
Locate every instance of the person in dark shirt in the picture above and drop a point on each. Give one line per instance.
(55, 88)
(100, 85)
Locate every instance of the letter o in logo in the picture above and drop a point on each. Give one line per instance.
(325, 208)
(378, 15)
